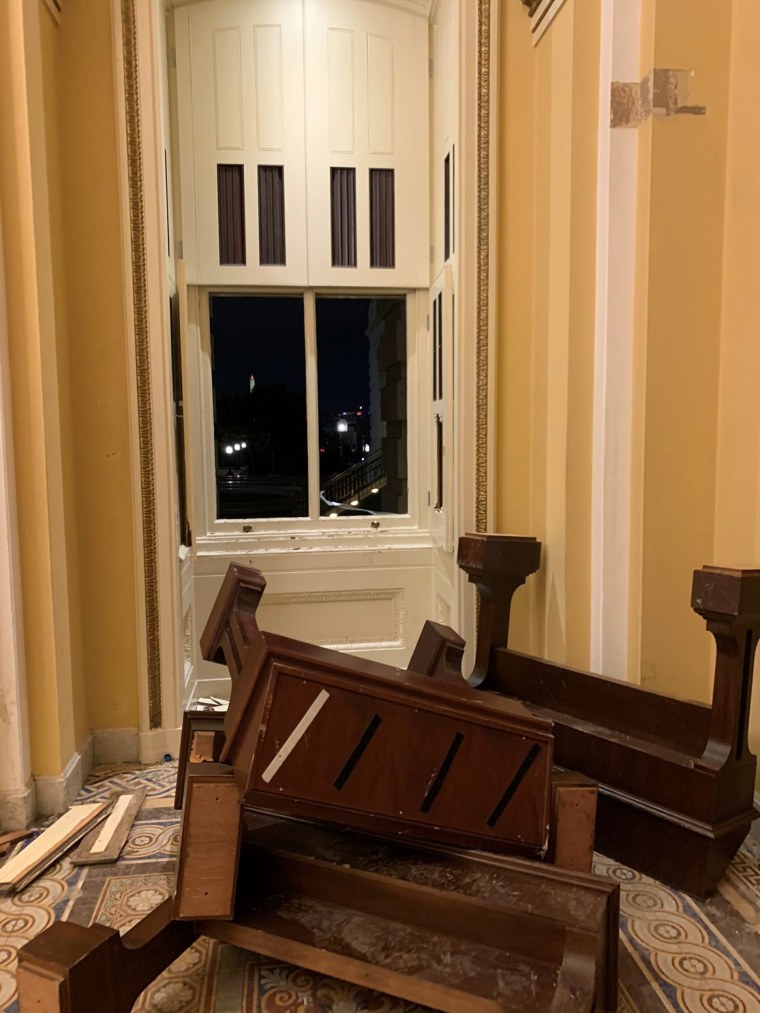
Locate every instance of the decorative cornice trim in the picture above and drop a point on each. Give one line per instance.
(662, 92)
(142, 357)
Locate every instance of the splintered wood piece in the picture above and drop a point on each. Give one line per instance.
(209, 846)
(571, 841)
(50, 845)
(13, 837)
(105, 842)
(203, 747)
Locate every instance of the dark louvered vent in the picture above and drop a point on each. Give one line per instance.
(438, 347)
(343, 216)
(453, 196)
(438, 462)
(382, 218)
(439, 301)
(447, 207)
(435, 349)
(231, 199)
(271, 214)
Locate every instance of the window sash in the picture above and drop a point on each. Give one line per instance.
(213, 528)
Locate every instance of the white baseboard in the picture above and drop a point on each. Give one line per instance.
(157, 744)
(116, 745)
(17, 807)
(130, 745)
(55, 794)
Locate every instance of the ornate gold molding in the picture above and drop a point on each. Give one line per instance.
(481, 296)
(142, 356)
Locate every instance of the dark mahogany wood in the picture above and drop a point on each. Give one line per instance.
(451, 930)
(70, 969)
(196, 721)
(327, 736)
(676, 777)
(438, 653)
(508, 565)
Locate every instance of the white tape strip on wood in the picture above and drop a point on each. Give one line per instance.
(295, 736)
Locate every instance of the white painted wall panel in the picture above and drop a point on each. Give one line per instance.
(306, 86)
(356, 604)
(380, 94)
(341, 91)
(228, 89)
(391, 132)
(270, 112)
(265, 83)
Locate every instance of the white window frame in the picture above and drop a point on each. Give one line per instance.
(224, 535)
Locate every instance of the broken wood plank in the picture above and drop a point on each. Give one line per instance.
(105, 842)
(50, 845)
(13, 837)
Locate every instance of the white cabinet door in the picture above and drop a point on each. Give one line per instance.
(241, 122)
(366, 109)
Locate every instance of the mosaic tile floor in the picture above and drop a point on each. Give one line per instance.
(676, 954)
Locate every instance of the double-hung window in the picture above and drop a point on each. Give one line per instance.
(308, 396)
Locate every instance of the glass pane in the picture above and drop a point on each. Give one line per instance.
(259, 380)
(361, 363)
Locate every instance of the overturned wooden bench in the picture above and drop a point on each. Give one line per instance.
(458, 932)
(318, 735)
(676, 778)
(323, 735)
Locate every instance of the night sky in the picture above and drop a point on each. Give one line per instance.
(265, 336)
(257, 335)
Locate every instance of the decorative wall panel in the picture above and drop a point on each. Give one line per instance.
(380, 94)
(341, 91)
(228, 88)
(267, 46)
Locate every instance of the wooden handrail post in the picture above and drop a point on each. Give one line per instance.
(729, 601)
(497, 565)
(232, 627)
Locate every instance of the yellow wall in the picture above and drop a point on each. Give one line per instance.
(97, 361)
(737, 499)
(549, 102)
(51, 73)
(62, 242)
(695, 483)
(683, 336)
(34, 388)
